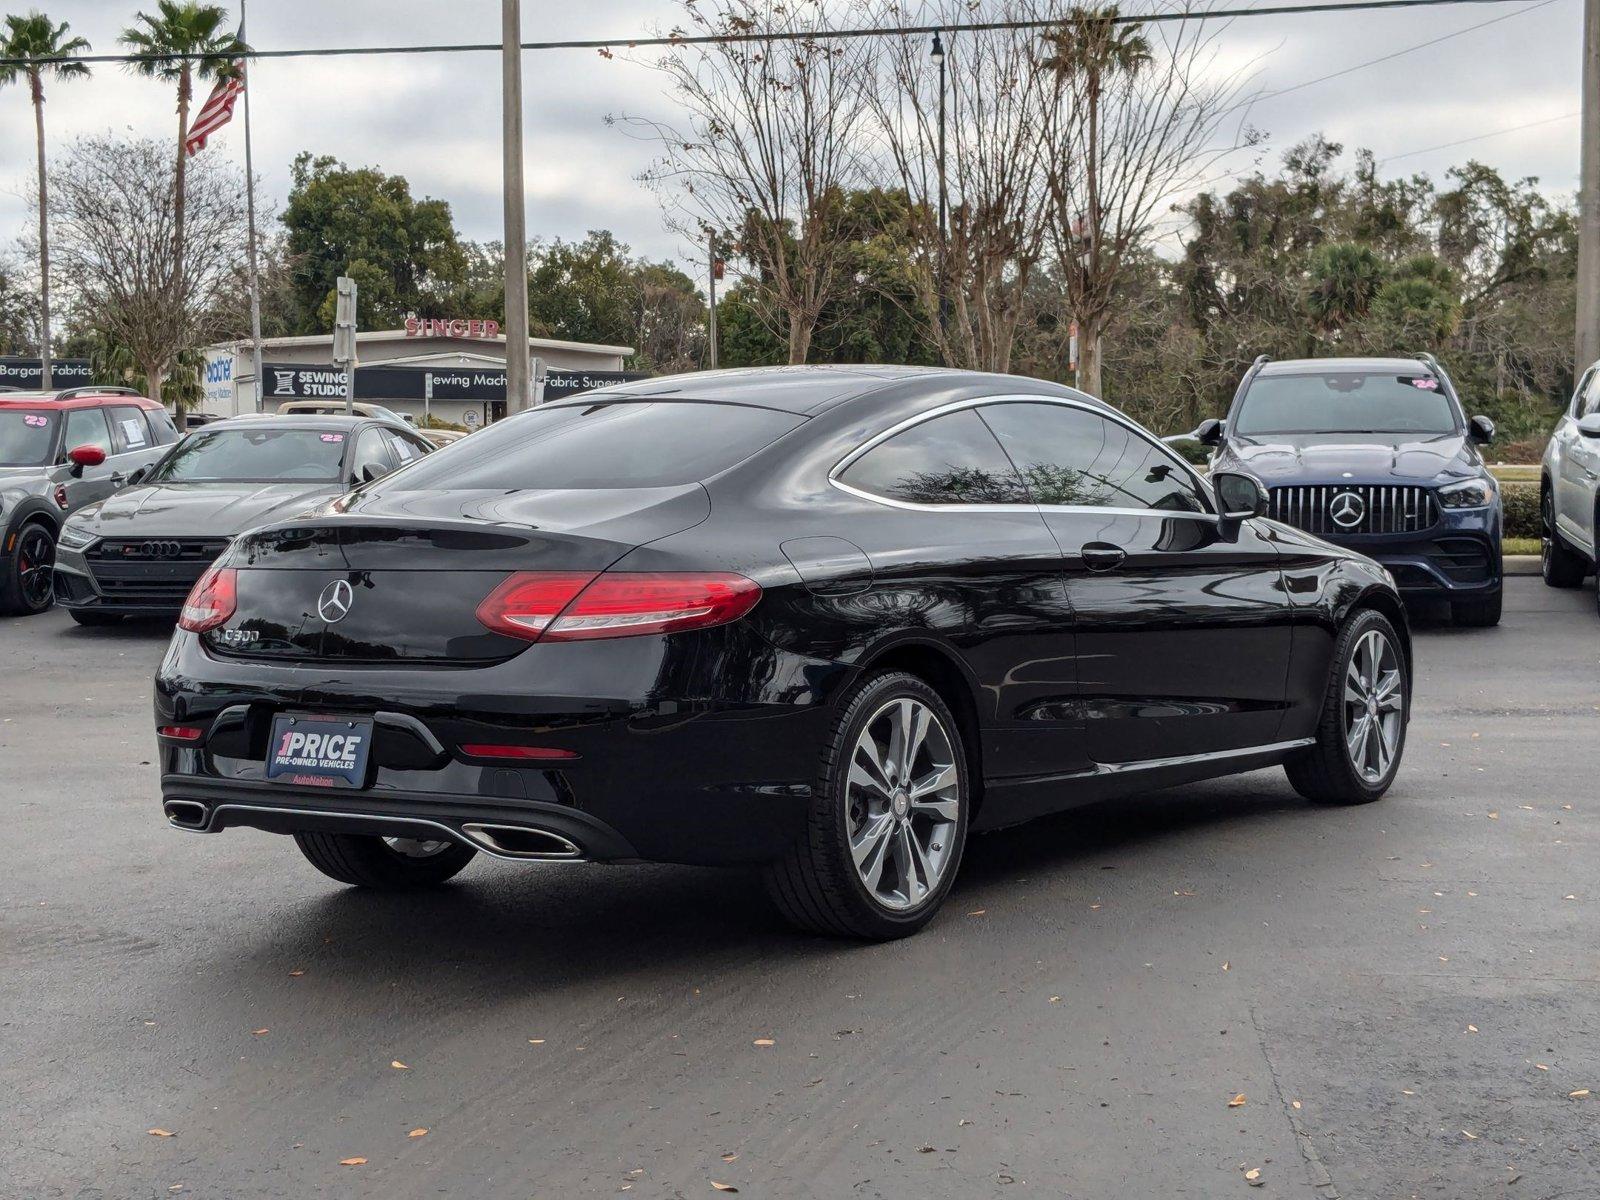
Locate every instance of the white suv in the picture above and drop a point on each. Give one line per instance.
(1569, 488)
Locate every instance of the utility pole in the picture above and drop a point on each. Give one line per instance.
(1588, 340)
(711, 319)
(518, 367)
(250, 205)
(937, 54)
(344, 337)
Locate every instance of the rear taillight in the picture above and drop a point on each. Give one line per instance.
(564, 607)
(212, 601)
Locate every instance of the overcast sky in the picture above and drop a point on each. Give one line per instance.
(436, 119)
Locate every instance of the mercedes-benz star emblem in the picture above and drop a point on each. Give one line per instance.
(1347, 509)
(334, 603)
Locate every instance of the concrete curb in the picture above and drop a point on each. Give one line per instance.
(1521, 564)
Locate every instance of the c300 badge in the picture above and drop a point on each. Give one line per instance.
(239, 637)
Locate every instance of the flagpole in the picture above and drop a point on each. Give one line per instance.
(250, 204)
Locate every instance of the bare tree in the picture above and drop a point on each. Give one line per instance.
(1145, 118)
(116, 241)
(1000, 114)
(768, 150)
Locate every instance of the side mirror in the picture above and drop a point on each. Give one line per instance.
(1481, 429)
(1239, 496)
(1589, 426)
(373, 471)
(85, 456)
(1208, 432)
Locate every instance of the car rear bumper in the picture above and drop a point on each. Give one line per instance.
(695, 779)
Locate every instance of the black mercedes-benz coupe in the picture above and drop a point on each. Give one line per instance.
(824, 620)
(138, 553)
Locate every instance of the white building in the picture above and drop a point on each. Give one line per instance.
(453, 370)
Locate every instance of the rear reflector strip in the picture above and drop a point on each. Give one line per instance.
(539, 753)
(181, 733)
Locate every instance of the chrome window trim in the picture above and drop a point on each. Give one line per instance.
(1202, 486)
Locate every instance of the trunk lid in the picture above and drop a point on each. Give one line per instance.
(398, 578)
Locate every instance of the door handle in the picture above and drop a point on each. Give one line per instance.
(118, 479)
(1103, 556)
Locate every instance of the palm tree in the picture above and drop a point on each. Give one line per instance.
(41, 44)
(1091, 47)
(184, 41)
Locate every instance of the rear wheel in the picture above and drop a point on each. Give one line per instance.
(27, 585)
(1478, 612)
(380, 862)
(888, 816)
(1559, 563)
(1362, 732)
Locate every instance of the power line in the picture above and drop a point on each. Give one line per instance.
(821, 35)
(1476, 138)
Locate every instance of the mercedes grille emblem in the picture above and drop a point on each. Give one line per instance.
(334, 603)
(1347, 509)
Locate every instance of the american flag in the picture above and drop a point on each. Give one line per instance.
(218, 109)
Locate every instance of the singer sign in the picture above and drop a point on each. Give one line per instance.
(428, 327)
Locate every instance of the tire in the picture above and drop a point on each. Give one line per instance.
(372, 862)
(93, 619)
(26, 585)
(817, 885)
(1326, 773)
(1559, 564)
(1479, 613)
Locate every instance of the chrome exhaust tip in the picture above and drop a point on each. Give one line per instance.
(186, 814)
(521, 841)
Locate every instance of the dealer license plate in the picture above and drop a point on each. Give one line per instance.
(319, 751)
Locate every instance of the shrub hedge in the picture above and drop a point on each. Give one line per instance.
(1521, 502)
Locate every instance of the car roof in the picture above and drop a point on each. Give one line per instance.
(802, 390)
(294, 421)
(1308, 366)
(73, 398)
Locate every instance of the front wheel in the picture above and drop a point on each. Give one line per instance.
(1559, 564)
(27, 585)
(1362, 731)
(384, 862)
(888, 816)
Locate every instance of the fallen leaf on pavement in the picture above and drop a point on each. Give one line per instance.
(297, 974)
(1295, 1104)
(258, 1032)
(352, 1162)
(924, 1149)
(729, 1157)
(1237, 1102)
(765, 1042)
(723, 1187)
(1055, 999)
(977, 912)
(1225, 966)
(1469, 1136)
(535, 1041)
(1472, 1029)
(418, 1133)
(1540, 1067)
(161, 1133)
(1253, 1177)
(399, 1066)
(1578, 1095)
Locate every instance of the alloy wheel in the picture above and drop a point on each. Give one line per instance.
(903, 794)
(36, 557)
(1547, 532)
(1374, 706)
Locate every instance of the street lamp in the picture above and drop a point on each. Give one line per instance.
(936, 52)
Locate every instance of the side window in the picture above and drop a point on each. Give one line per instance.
(162, 426)
(129, 428)
(406, 450)
(86, 427)
(1075, 457)
(371, 450)
(1591, 398)
(952, 459)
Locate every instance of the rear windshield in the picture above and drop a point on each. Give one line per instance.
(25, 437)
(629, 444)
(254, 456)
(1345, 402)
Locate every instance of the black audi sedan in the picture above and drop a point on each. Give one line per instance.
(1376, 454)
(828, 621)
(138, 553)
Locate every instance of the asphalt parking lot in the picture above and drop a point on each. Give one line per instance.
(1405, 995)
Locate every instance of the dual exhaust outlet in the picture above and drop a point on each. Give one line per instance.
(526, 842)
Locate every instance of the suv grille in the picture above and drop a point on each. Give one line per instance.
(1332, 510)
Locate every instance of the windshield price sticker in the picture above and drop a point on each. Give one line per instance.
(36, 421)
